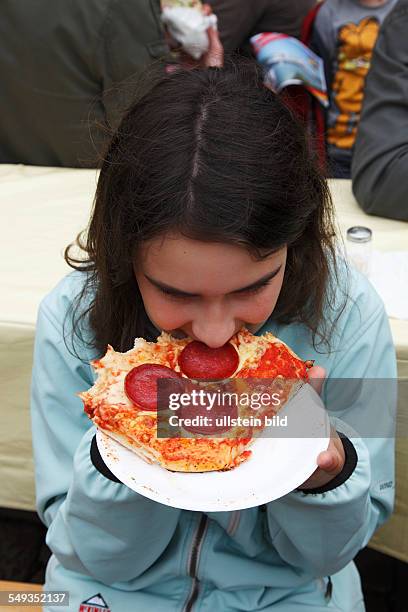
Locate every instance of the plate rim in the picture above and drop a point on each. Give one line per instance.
(214, 505)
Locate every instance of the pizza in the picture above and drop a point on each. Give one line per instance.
(123, 401)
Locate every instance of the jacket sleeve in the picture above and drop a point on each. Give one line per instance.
(92, 521)
(360, 396)
(380, 159)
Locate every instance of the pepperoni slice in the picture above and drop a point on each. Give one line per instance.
(197, 360)
(141, 384)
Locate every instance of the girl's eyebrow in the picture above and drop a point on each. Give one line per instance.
(261, 281)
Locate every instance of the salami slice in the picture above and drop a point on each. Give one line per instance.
(198, 361)
(141, 384)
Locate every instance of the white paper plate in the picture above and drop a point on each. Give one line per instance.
(277, 466)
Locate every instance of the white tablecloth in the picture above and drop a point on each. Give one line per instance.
(41, 211)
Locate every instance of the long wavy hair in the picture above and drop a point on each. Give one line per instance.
(215, 155)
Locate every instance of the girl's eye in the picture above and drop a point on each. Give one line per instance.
(179, 296)
(257, 289)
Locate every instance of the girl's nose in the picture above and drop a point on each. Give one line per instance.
(214, 327)
(214, 337)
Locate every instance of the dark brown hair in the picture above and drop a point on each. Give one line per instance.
(215, 155)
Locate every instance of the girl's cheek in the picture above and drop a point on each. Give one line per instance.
(167, 314)
(171, 315)
(254, 313)
(257, 308)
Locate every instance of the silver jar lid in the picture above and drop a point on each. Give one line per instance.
(359, 233)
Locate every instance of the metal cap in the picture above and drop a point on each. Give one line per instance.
(359, 234)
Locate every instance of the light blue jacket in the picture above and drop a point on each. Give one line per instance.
(144, 556)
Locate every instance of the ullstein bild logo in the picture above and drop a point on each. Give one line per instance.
(96, 603)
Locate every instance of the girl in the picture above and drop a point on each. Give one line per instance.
(209, 215)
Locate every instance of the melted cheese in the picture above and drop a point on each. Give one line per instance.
(114, 366)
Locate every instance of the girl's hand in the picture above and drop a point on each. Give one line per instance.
(331, 461)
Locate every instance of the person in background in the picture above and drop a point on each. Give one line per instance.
(380, 161)
(344, 35)
(76, 73)
(238, 20)
(61, 63)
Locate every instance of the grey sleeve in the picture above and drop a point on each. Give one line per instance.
(324, 37)
(238, 20)
(380, 159)
(323, 41)
(284, 16)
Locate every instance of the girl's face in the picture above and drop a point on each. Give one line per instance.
(207, 291)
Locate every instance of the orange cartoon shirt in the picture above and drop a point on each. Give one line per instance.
(355, 46)
(345, 33)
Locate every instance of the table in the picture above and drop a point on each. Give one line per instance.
(6, 585)
(388, 235)
(43, 209)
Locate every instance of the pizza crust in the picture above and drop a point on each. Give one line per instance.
(195, 457)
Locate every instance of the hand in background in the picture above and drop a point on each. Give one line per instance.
(214, 57)
(215, 54)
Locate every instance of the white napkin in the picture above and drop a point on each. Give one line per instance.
(389, 275)
(189, 26)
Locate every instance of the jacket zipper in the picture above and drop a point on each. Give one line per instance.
(193, 563)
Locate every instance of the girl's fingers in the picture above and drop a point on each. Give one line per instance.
(332, 459)
(330, 462)
(316, 376)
